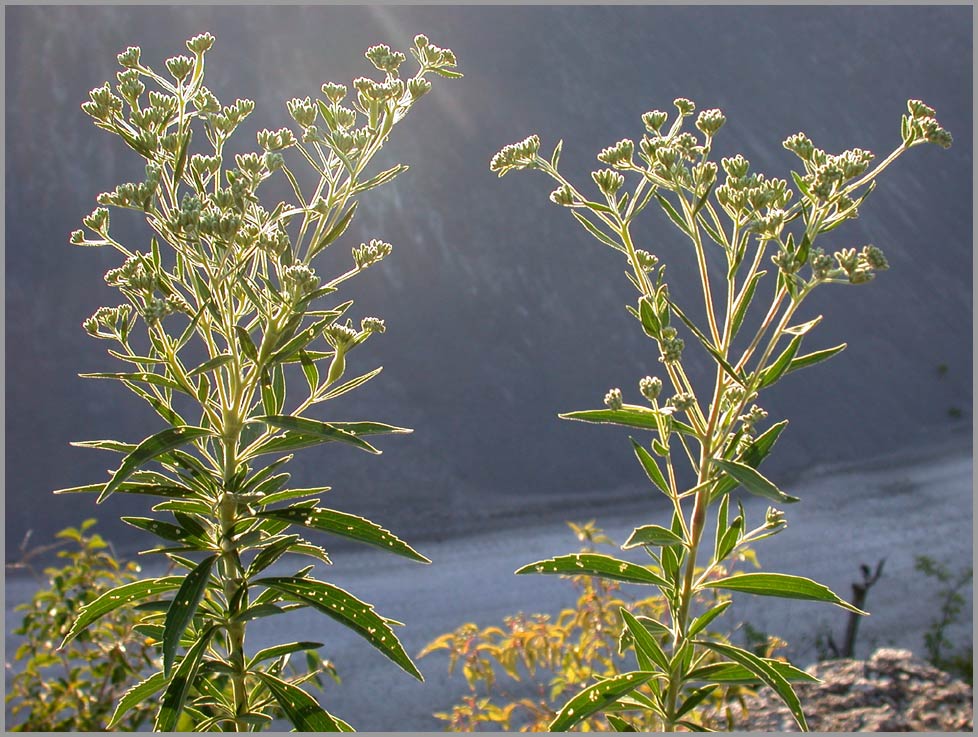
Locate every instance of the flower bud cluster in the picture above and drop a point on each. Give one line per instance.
(134, 196)
(418, 87)
(681, 402)
(563, 195)
(618, 156)
(774, 518)
(384, 59)
(670, 345)
(371, 91)
(130, 87)
(369, 325)
(608, 180)
(206, 102)
(753, 416)
(858, 267)
(684, 106)
(921, 125)
(200, 44)
(129, 58)
(156, 308)
(710, 121)
(650, 387)
(276, 140)
(366, 255)
(179, 67)
(646, 261)
(303, 111)
(299, 280)
(109, 322)
(431, 56)
(134, 275)
(654, 120)
(223, 123)
(274, 242)
(98, 221)
(522, 155)
(102, 105)
(613, 399)
(340, 336)
(744, 194)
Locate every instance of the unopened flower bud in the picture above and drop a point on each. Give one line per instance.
(200, 44)
(684, 106)
(608, 181)
(646, 261)
(372, 325)
(520, 155)
(710, 121)
(613, 399)
(418, 87)
(654, 120)
(130, 57)
(619, 155)
(562, 196)
(681, 402)
(179, 66)
(650, 387)
(773, 517)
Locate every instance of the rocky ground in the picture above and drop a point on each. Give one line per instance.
(891, 692)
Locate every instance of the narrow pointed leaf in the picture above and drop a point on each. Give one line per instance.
(181, 683)
(810, 359)
(595, 564)
(703, 620)
(639, 417)
(349, 611)
(708, 345)
(741, 310)
(335, 232)
(150, 448)
(756, 452)
(348, 385)
(118, 597)
(777, 369)
(137, 695)
(383, 178)
(287, 494)
(695, 699)
(753, 481)
(596, 232)
(731, 673)
(302, 710)
(644, 640)
(767, 674)
(671, 212)
(211, 364)
(652, 535)
(277, 651)
(314, 428)
(145, 377)
(782, 585)
(346, 525)
(595, 698)
(619, 724)
(651, 467)
(182, 609)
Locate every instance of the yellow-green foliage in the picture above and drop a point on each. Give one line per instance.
(76, 688)
(554, 657)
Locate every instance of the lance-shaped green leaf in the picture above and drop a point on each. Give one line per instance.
(708, 345)
(287, 494)
(181, 683)
(211, 364)
(164, 490)
(669, 210)
(349, 611)
(300, 708)
(752, 456)
(379, 179)
(740, 309)
(619, 724)
(645, 641)
(694, 700)
(315, 429)
(165, 530)
(627, 416)
(151, 448)
(766, 673)
(118, 597)
(595, 564)
(596, 697)
(753, 481)
(597, 232)
(145, 377)
(810, 359)
(346, 525)
(777, 369)
(135, 696)
(651, 467)
(182, 609)
(369, 428)
(277, 651)
(783, 585)
(701, 622)
(652, 535)
(335, 232)
(732, 673)
(271, 553)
